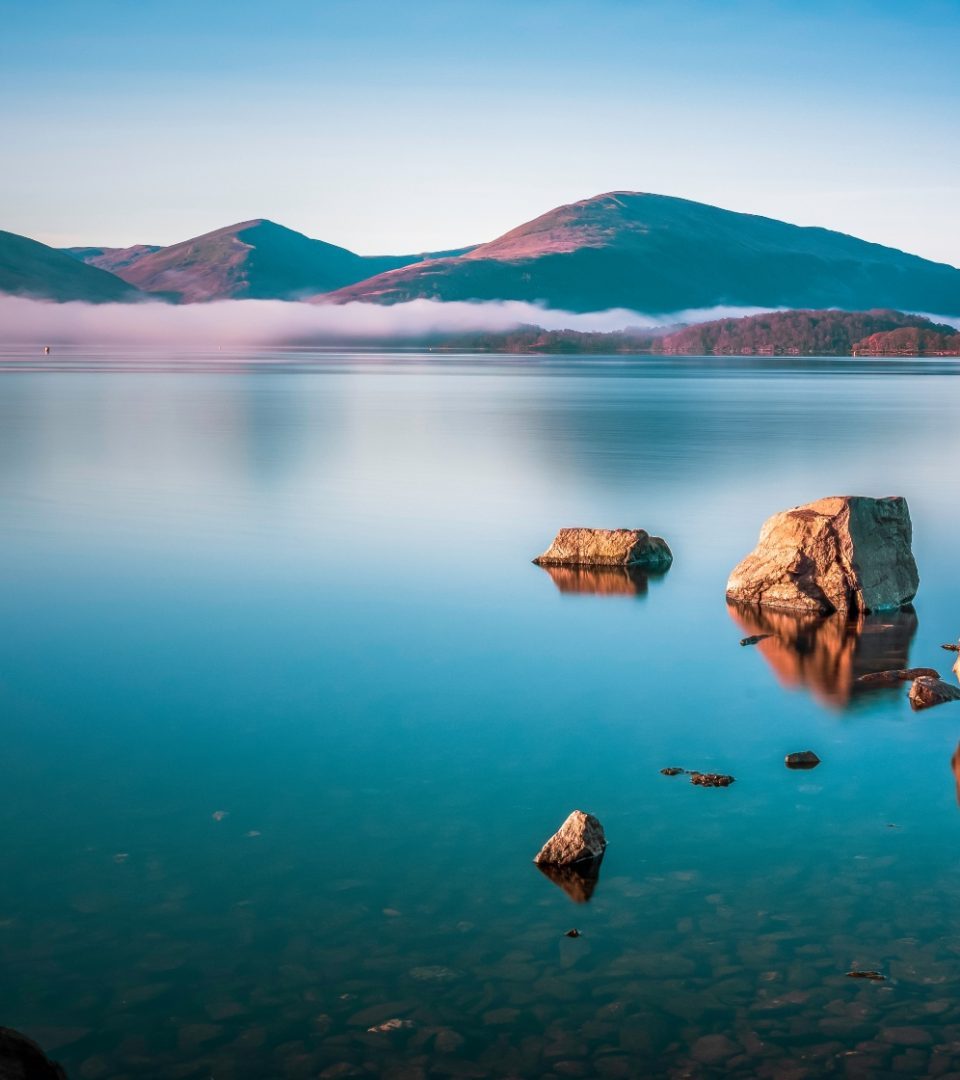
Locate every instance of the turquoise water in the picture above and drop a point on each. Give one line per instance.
(287, 711)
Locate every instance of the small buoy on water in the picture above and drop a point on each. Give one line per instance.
(46, 350)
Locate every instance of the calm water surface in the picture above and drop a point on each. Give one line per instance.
(287, 710)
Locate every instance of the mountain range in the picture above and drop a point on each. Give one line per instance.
(643, 252)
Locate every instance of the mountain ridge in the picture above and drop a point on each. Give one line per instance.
(656, 253)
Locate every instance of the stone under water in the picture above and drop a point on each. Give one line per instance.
(607, 547)
(843, 553)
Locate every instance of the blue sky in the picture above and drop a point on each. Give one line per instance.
(405, 127)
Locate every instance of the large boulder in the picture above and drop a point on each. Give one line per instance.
(845, 553)
(607, 547)
(578, 839)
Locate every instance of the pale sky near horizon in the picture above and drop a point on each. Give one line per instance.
(390, 127)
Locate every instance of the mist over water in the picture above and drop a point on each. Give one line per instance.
(275, 322)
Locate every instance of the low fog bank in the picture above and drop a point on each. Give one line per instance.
(274, 322)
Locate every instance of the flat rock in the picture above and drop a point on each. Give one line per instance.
(710, 779)
(22, 1059)
(607, 547)
(926, 692)
(842, 553)
(897, 675)
(580, 838)
(803, 759)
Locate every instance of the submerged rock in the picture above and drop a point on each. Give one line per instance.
(22, 1059)
(926, 692)
(607, 547)
(578, 839)
(803, 759)
(843, 553)
(710, 779)
(897, 675)
(672, 770)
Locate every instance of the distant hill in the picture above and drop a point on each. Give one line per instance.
(782, 333)
(791, 333)
(112, 259)
(911, 341)
(29, 268)
(657, 254)
(251, 260)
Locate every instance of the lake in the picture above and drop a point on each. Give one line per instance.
(287, 711)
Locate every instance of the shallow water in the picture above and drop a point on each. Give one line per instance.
(287, 711)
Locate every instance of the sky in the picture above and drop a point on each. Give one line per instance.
(393, 127)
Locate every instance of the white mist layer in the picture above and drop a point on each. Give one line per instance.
(275, 322)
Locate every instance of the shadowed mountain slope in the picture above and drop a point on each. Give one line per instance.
(655, 253)
(252, 260)
(29, 268)
(111, 259)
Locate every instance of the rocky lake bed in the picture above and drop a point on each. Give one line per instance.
(289, 824)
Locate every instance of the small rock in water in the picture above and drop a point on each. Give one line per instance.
(392, 1025)
(572, 933)
(606, 547)
(926, 692)
(874, 975)
(672, 770)
(754, 638)
(710, 779)
(580, 837)
(803, 759)
(896, 675)
(951, 648)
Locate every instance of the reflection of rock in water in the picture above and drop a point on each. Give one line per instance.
(602, 581)
(955, 765)
(578, 880)
(828, 654)
(22, 1059)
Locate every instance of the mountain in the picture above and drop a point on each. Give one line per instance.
(252, 260)
(112, 259)
(29, 268)
(659, 254)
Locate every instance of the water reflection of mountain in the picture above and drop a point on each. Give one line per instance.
(578, 881)
(600, 580)
(828, 655)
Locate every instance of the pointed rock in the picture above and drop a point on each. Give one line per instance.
(580, 837)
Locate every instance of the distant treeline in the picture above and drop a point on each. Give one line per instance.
(782, 333)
